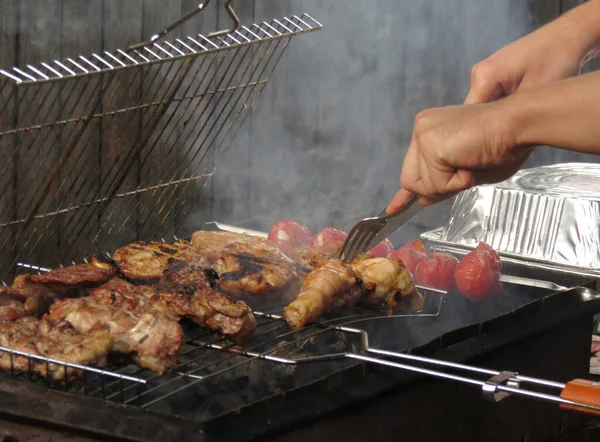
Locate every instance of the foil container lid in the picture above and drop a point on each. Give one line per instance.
(548, 214)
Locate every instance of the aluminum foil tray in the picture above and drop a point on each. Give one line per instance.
(547, 216)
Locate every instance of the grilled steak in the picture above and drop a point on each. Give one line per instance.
(77, 276)
(337, 284)
(246, 265)
(51, 339)
(146, 330)
(148, 260)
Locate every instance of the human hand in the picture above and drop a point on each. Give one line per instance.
(457, 147)
(553, 52)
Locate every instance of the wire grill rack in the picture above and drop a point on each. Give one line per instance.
(208, 355)
(115, 147)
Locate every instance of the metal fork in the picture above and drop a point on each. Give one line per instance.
(371, 231)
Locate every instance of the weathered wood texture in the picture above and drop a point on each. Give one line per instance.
(326, 140)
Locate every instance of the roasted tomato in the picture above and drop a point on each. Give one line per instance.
(437, 271)
(411, 255)
(477, 273)
(416, 245)
(327, 236)
(383, 249)
(289, 234)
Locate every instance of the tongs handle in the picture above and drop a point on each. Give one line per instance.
(582, 392)
(201, 7)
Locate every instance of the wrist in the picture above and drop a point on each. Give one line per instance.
(516, 114)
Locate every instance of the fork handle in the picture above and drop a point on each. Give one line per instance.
(397, 220)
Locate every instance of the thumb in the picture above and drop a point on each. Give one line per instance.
(399, 200)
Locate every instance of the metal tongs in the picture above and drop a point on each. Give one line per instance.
(371, 231)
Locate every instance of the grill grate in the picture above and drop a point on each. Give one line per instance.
(207, 355)
(106, 149)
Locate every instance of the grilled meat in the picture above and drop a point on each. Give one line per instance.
(327, 288)
(194, 273)
(190, 296)
(148, 260)
(77, 276)
(246, 265)
(384, 280)
(51, 339)
(337, 284)
(145, 329)
(310, 257)
(24, 298)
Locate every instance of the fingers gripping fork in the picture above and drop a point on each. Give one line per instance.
(371, 231)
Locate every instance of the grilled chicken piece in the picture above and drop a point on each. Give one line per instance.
(77, 276)
(337, 284)
(310, 257)
(194, 273)
(327, 288)
(55, 340)
(147, 330)
(246, 265)
(190, 295)
(24, 298)
(148, 260)
(384, 280)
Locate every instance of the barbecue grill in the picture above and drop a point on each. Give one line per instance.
(143, 108)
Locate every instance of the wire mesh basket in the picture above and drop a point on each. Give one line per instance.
(115, 147)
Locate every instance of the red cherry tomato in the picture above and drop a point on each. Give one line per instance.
(437, 271)
(477, 273)
(409, 257)
(289, 234)
(327, 236)
(383, 249)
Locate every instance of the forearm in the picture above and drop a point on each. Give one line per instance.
(564, 114)
(584, 22)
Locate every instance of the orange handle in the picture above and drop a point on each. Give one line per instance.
(583, 392)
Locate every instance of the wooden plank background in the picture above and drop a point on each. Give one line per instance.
(325, 143)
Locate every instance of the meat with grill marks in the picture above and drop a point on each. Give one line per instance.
(337, 284)
(146, 261)
(246, 265)
(187, 292)
(145, 329)
(57, 340)
(98, 271)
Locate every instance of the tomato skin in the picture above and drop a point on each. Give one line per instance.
(288, 234)
(327, 236)
(383, 249)
(437, 271)
(417, 245)
(595, 347)
(409, 257)
(477, 274)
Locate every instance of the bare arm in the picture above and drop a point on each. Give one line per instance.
(553, 52)
(585, 21)
(565, 114)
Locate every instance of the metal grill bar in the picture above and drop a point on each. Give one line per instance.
(118, 146)
(110, 62)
